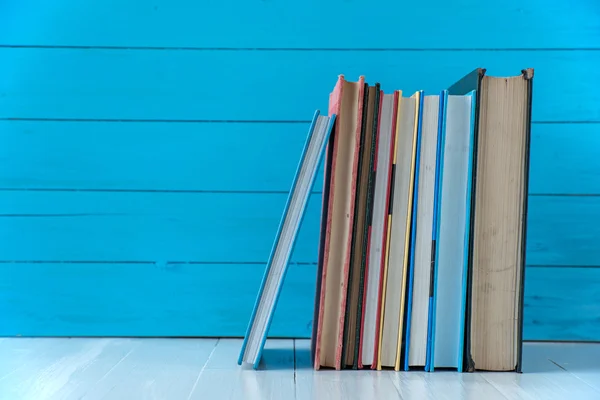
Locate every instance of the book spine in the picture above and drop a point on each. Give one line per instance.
(528, 75)
(334, 108)
(346, 266)
(376, 133)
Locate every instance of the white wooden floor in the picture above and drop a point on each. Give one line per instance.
(131, 369)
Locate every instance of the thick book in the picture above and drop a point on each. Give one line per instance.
(451, 230)
(498, 229)
(400, 213)
(346, 102)
(377, 238)
(356, 274)
(285, 238)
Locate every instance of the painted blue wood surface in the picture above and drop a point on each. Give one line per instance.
(73, 155)
(562, 303)
(86, 299)
(145, 299)
(229, 227)
(148, 226)
(308, 24)
(251, 85)
(137, 156)
(147, 149)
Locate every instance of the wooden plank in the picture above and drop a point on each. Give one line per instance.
(240, 85)
(229, 157)
(564, 159)
(578, 359)
(562, 304)
(223, 379)
(151, 156)
(228, 227)
(111, 299)
(141, 226)
(70, 369)
(542, 377)
(216, 300)
(307, 24)
(563, 230)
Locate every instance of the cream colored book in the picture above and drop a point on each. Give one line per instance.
(393, 306)
(498, 230)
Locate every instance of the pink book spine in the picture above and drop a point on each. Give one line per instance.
(335, 99)
(350, 222)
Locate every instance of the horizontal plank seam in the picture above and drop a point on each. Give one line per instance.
(179, 121)
(305, 263)
(221, 121)
(564, 194)
(562, 266)
(181, 191)
(299, 49)
(226, 192)
(148, 262)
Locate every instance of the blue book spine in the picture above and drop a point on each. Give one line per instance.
(277, 237)
(437, 202)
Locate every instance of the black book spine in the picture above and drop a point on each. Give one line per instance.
(351, 269)
(368, 218)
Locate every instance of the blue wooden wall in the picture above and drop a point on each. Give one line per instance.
(147, 147)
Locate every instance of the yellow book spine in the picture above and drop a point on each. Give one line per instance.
(389, 231)
(417, 97)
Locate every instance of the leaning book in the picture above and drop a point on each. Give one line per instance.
(285, 238)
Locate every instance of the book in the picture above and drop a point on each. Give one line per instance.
(285, 239)
(403, 165)
(356, 275)
(423, 227)
(377, 239)
(452, 230)
(346, 102)
(439, 159)
(413, 228)
(424, 206)
(494, 323)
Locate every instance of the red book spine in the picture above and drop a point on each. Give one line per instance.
(385, 231)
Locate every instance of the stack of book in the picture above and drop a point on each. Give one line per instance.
(422, 246)
(423, 227)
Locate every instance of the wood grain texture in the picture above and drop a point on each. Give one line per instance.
(563, 231)
(207, 227)
(156, 227)
(224, 379)
(189, 156)
(579, 359)
(115, 173)
(194, 369)
(543, 378)
(564, 159)
(561, 304)
(116, 299)
(95, 369)
(196, 300)
(208, 157)
(307, 24)
(239, 85)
